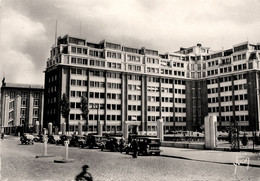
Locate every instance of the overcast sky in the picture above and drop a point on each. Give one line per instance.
(28, 27)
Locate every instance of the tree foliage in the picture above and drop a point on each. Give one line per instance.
(84, 109)
(65, 109)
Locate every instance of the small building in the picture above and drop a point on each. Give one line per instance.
(21, 107)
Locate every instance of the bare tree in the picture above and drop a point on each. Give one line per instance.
(65, 109)
(84, 109)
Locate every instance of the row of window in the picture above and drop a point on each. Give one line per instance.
(228, 108)
(237, 118)
(227, 88)
(227, 98)
(212, 63)
(79, 50)
(97, 84)
(177, 64)
(179, 73)
(134, 97)
(133, 58)
(153, 70)
(239, 57)
(227, 79)
(134, 108)
(114, 55)
(81, 61)
(136, 68)
(78, 93)
(225, 69)
(134, 87)
(114, 65)
(134, 77)
(78, 82)
(152, 60)
(98, 63)
(51, 100)
(240, 67)
(52, 89)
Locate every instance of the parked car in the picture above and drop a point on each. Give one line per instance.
(148, 145)
(97, 141)
(54, 139)
(38, 138)
(112, 144)
(77, 141)
(27, 139)
(64, 138)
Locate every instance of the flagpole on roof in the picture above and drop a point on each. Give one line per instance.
(56, 34)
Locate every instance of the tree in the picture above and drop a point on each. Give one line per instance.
(65, 109)
(84, 109)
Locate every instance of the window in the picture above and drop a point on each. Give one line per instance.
(36, 102)
(23, 102)
(35, 112)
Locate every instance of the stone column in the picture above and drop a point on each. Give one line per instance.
(160, 129)
(80, 129)
(50, 128)
(30, 107)
(17, 110)
(6, 115)
(37, 127)
(210, 132)
(125, 130)
(63, 128)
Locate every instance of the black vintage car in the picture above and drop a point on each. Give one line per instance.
(64, 138)
(27, 139)
(148, 145)
(112, 144)
(77, 141)
(54, 139)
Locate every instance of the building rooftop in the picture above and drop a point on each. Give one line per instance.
(24, 86)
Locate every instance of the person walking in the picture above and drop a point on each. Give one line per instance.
(84, 175)
(122, 144)
(134, 146)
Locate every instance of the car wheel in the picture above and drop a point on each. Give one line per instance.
(35, 140)
(157, 154)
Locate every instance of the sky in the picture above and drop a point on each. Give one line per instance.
(27, 27)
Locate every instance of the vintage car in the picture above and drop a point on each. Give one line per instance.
(64, 138)
(148, 145)
(54, 139)
(27, 139)
(97, 141)
(112, 144)
(77, 141)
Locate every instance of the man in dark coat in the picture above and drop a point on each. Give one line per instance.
(134, 145)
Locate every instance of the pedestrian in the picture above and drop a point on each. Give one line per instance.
(84, 175)
(134, 146)
(2, 136)
(122, 143)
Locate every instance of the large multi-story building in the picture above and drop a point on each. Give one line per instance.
(139, 86)
(21, 107)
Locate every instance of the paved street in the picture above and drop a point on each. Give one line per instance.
(18, 162)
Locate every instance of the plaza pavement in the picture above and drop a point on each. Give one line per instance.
(212, 164)
(213, 156)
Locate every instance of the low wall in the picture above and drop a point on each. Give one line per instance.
(199, 146)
